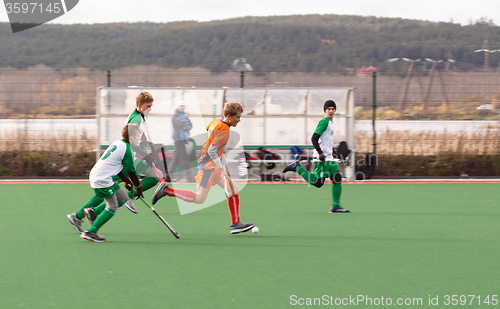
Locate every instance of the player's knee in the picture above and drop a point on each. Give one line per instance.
(199, 199)
(112, 203)
(236, 190)
(319, 182)
(121, 196)
(337, 178)
(112, 206)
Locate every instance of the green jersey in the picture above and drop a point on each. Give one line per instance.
(139, 119)
(119, 156)
(325, 130)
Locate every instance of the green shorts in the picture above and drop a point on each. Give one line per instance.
(106, 192)
(325, 169)
(140, 166)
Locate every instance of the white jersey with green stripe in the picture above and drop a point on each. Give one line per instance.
(325, 129)
(139, 119)
(117, 157)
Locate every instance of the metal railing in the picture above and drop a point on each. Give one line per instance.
(53, 111)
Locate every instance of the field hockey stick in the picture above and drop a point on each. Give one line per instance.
(176, 234)
(155, 169)
(144, 148)
(164, 160)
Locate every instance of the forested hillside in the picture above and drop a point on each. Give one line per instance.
(301, 43)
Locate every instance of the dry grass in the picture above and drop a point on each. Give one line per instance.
(46, 154)
(444, 164)
(434, 154)
(398, 154)
(430, 143)
(389, 142)
(434, 111)
(47, 141)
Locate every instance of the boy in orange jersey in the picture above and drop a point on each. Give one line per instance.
(210, 169)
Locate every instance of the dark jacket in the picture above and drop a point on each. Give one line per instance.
(182, 125)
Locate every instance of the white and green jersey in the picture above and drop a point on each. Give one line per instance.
(325, 130)
(119, 156)
(139, 119)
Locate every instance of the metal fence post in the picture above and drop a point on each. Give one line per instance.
(374, 107)
(242, 79)
(109, 78)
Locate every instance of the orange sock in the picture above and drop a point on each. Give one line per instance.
(234, 208)
(184, 195)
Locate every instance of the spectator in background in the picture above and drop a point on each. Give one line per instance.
(182, 125)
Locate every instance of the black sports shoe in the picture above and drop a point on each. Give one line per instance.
(92, 237)
(241, 227)
(292, 167)
(338, 209)
(89, 213)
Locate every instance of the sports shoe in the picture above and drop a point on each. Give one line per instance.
(92, 237)
(159, 193)
(75, 222)
(338, 209)
(90, 214)
(292, 167)
(241, 227)
(130, 205)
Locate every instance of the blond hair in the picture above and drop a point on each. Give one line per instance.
(232, 109)
(143, 97)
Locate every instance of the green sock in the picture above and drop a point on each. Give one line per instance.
(99, 209)
(308, 176)
(101, 220)
(336, 191)
(148, 182)
(94, 201)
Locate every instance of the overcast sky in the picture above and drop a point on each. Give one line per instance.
(108, 11)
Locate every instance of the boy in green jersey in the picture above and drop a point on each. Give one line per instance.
(118, 158)
(324, 164)
(143, 161)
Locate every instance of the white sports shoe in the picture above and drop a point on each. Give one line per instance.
(130, 205)
(75, 222)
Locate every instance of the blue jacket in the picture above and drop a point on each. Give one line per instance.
(182, 125)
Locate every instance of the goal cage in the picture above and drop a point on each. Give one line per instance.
(272, 117)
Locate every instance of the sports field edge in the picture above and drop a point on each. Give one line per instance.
(370, 181)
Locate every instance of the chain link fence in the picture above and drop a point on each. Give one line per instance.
(48, 126)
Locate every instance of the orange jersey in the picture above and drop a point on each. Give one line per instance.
(217, 135)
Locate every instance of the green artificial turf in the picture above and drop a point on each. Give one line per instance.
(400, 241)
